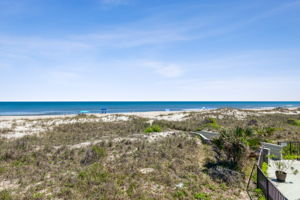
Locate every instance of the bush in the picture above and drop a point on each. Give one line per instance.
(293, 122)
(5, 195)
(202, 196)
(93, 155)
(240, 132)
(2, 170)
(38, 196)
(290, 150)
(291, 157)
(211, 123)
(99, 151)
(5, 130)
(254, 143)
(264, 168)
(94, 174)
(153, 128)
(180, 194)
(260, 195)
(232, 149)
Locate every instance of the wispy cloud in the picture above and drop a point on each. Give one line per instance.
(205, 53)
(134, 37)
(141, 33)
(165, 69)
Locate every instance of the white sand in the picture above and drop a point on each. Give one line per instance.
(146, 170)
(20, 126)
(8, 184)
(166, 115)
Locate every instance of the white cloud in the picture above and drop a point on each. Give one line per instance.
(64, 75)
(165, 69)
(132, 37)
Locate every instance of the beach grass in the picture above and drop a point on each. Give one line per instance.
(85, 157)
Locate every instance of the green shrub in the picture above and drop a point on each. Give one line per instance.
(293, 122)
(254, 143)
(202, 196)
(100, 152)
(180, 194)
(209, 123)
(132, 187)
(199, 129)
(266, 131)
(17, 163)
(153, 128)
(212, 123)
(5, 195)
(94, 154)
(291, 157)
(260, 195)
(232, 149)
(94, 174)
(38, 196)
(264, 168)
(290, 150)
(270, 130)
(2, 170)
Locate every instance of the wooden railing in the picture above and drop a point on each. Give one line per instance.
(268, 188)
(270, 191)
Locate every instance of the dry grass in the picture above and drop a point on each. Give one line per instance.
(89, 159)
(45, 167)
(273, 127)
(5, 130)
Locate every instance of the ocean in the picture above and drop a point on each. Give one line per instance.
(59, 108)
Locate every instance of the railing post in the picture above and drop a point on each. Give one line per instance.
(267, 187)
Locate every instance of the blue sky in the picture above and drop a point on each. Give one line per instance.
(149, 50)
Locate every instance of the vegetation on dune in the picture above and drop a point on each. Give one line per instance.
(118, 160)
(5, 195)
(153, 129)
(5, 130)
(202, 196)
(209, 123)
(232, 149)
(118, 164)
(265, 127)
(294, 122)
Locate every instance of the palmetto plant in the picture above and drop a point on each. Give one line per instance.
(232, 148)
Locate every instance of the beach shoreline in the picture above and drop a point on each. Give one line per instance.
(150, 114)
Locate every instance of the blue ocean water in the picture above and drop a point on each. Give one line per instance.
(57, 108)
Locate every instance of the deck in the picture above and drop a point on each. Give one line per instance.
(291, 188)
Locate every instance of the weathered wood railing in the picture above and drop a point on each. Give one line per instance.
(270, 191)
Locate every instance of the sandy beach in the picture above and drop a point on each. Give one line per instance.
(171, 115)
(20, 126)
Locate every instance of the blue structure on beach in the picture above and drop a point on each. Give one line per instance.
(83, 112)
(103, 110)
